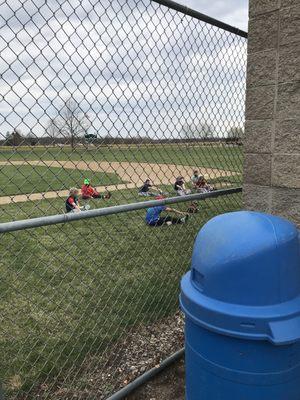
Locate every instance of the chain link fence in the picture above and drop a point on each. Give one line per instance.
(123, 100)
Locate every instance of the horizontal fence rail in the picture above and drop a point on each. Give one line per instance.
(201, 17)
(128, 110)
(65, 218)
(147, 376)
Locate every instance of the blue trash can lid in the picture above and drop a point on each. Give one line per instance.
(245, 277)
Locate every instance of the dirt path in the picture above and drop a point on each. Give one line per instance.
(21, 198)
(133, 173)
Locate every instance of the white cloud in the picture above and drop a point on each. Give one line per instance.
(233, 12)
(134, 70)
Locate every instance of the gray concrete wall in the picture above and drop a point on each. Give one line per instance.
(272, 133)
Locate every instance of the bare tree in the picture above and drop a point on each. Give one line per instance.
(52, 130)
(71, 123)
(203, 130)
(31, 139)
(236, 134)
(15, 138)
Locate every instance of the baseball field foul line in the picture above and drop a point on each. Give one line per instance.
(134, 173)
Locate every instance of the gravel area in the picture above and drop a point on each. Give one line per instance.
(168, 385)
(143, 347)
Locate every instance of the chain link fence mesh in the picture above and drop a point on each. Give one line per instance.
(116, 92)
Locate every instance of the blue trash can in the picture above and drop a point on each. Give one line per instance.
(241, 301)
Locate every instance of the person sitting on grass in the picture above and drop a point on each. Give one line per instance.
(72, 202)
(145, 189)
(180, 188)
(202, 186)
(195, 178)
(88, 192)
(154, 218)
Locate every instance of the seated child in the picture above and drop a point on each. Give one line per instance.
(179, 187)
(88, 192)
(145, 189)
(195, 178)
(72, 203)
(202, 186)
(154, 218)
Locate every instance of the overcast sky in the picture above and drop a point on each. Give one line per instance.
(134, 67)
(233, 12)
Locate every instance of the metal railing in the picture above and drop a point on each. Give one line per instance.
(132, 97)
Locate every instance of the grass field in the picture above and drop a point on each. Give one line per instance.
(68, 291)
(29, 179)
(223, 157)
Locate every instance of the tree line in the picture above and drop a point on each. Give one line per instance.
(71, 127)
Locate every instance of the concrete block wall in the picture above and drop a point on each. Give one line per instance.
(272, 131)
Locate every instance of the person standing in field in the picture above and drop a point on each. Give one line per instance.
(154, 218)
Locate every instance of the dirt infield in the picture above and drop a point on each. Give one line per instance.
(132, 173)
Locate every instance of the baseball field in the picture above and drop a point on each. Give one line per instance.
(70, 292)
(39, 173)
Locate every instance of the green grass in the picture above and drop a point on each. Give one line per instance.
(221, 156)
(70, 291)
(34, 179)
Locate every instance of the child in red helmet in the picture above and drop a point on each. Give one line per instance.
(88, 192)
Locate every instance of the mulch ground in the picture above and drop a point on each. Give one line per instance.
(143, 347)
